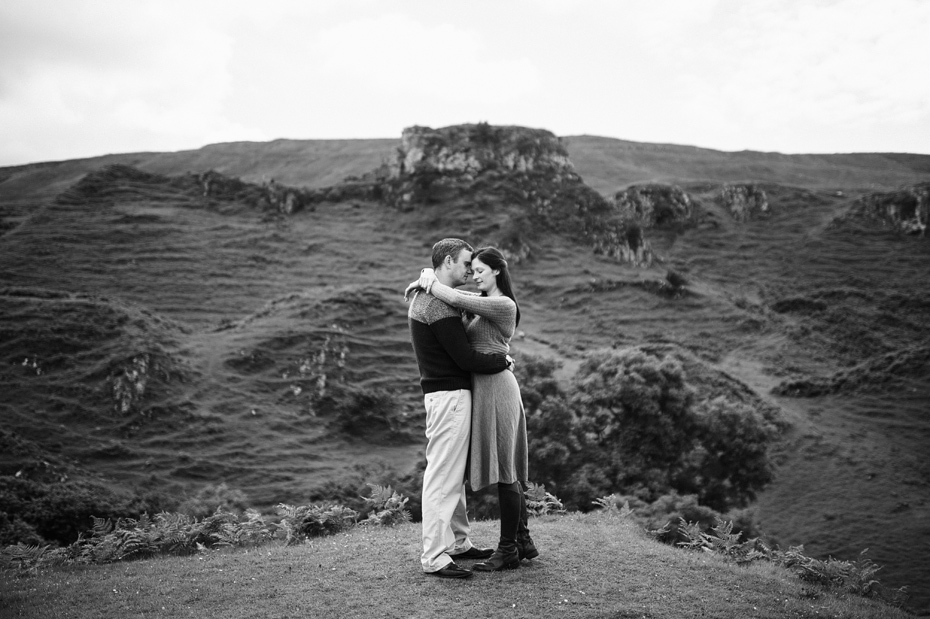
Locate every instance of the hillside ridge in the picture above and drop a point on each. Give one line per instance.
(289, 370)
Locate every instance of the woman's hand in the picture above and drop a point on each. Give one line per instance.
(411, 287)
(427, 277)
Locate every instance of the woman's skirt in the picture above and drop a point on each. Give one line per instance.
(498, 431)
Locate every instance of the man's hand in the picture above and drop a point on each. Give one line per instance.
(511, 364)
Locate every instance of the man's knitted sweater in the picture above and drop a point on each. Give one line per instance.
(443, 353)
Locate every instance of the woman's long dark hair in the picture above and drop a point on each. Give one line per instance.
(492, 257)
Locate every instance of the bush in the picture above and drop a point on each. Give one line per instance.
(386, 506)
(635, 418)
(212, 498)
(361, 412)
(633, 425)
(14, 530)
(536, 376)
(664, 516)
(59, 512)
(731, 460)
(303, 521)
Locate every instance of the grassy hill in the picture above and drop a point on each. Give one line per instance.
(608, 165)
(233, 314)
(590, 566)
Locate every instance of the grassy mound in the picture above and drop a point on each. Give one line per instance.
(78, 356)
(901, 369)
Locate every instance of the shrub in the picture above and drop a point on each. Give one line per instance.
(14, 530)
(359, 411)
(303, 521)
(664, 517)
(541, 503)
(634, 410)
(632, 424)
(536, 376)
(59, 512)
(387, 507)
(856, 577)
(553, 444)
(731, 459)
(212, 498)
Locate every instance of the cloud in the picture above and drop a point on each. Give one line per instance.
(84, 77)
(143, 76)
(840, 62)
(397, 55)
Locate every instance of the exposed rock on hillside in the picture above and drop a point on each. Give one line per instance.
(268, 195)
(654, 204)
(522, 173)
(906, 210)
(472, 149)
(744, 201)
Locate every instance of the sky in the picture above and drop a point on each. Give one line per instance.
(81, 78)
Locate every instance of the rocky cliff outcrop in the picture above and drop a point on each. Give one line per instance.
(654, 204)
(523, 175)
(906, 210)
(744, 201)
(471, 149)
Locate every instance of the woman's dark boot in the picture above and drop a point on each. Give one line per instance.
(506, 556)
(525, 546)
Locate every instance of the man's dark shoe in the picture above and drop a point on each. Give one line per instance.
(451, 571)
(502, 559)
(474, 553)
(525, 547)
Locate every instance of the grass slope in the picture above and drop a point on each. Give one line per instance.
(237, 299)
(609, 164)
(590, 566)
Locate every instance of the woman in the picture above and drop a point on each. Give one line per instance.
(498, 437)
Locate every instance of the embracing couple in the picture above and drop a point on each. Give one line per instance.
(475, 423)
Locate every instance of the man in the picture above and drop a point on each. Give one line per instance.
(446, 361)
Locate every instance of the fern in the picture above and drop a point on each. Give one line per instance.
(24, 557)
(301, 522)
(540, 503)
(724, 541)
(695, 538)
(609, 505)
(660, 533)
(387, 506)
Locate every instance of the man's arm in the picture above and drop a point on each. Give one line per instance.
(451, 336)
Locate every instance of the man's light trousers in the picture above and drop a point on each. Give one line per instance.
(445, 522)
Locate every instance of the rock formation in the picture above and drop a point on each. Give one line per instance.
(744, 201)
(654, 204)
(471, 149)
(906, 210)
(521, 173)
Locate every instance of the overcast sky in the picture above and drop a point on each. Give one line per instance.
(88, 77)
